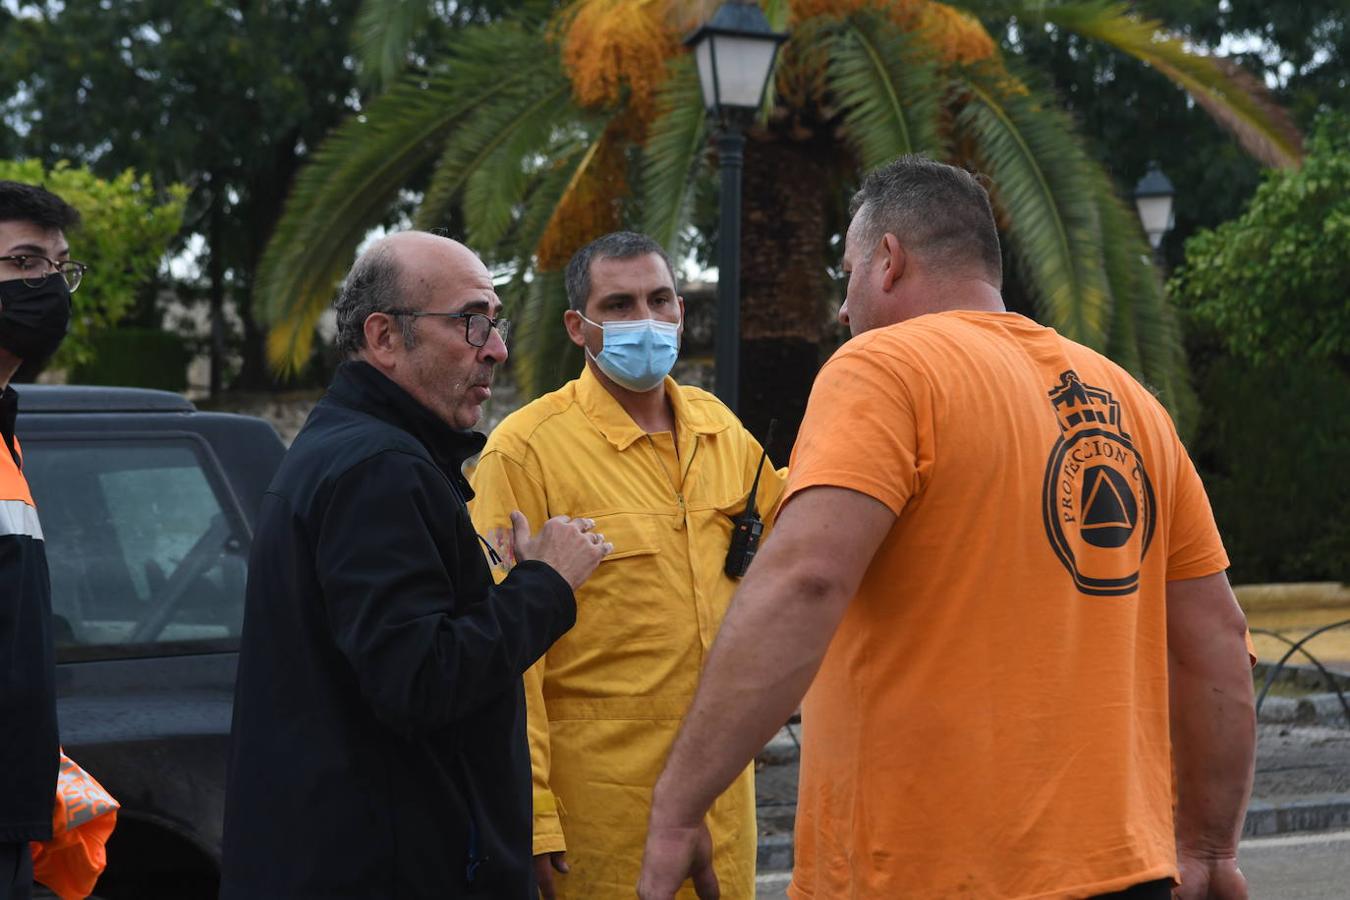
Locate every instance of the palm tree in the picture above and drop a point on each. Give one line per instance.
(549, 128)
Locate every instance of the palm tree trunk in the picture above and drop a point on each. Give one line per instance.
(785, 288)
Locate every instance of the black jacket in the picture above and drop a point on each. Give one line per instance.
(379, 744)
(28, 748)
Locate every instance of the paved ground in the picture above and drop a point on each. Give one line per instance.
(1299, 761)
(1298, 866)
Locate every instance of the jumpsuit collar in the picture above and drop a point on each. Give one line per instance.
(619, 428)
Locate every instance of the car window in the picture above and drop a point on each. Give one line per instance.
(145, 552)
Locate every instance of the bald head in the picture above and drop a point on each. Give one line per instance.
(401, 271)
(409, 309)
(429, 263)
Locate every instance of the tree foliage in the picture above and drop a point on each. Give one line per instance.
(1272, 282)
(127, 225)
(1131, 115)
(1272, 443)
(599, 122)
(226, 96)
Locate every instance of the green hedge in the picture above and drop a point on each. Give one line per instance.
(135, 357)
(1274, 450)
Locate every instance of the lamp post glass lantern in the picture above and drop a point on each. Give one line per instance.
(734, 52)
(1153, 197)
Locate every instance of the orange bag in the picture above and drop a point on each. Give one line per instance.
(83, 819)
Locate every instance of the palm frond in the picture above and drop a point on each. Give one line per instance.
(1041, 184)
(353, 178)
(1125, 256)
(532, 101)
(591, 202)
(888, 85)
(675, 144)
(496, 187)
(347, 187)
(546, 192)
(1233, 97)
(543, 356)
(383, 33)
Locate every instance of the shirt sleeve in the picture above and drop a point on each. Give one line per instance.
(859, 432)
(502, 484)
(1194, 546)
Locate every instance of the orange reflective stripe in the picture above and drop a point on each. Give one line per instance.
(13, 486)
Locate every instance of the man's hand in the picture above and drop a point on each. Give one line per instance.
(568, 545)
(544, 865)
(674, 854)
(1206, 878)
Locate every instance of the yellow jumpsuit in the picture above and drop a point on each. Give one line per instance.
(606, 700)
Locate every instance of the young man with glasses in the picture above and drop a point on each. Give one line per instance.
(378, 747)
(36, 280)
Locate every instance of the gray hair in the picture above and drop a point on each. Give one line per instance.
(615, 245)
(372, 286)
(939, 212)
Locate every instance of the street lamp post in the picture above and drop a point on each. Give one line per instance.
(1153, 197)
(734, 50)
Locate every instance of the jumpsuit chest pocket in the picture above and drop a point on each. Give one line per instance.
(632, 536)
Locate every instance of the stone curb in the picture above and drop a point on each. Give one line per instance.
(1315, 709)
(1308, 814)
(775, 853)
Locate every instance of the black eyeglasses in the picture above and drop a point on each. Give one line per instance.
(34, 269)
(477, 327)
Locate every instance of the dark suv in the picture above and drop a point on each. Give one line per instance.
(147, 508)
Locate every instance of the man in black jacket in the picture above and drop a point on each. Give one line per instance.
(36, 278)
(379, 732)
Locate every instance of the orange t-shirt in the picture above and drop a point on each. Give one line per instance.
(991, 718)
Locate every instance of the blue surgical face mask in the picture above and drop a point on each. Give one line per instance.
(637, 353)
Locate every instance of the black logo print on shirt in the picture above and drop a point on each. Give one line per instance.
(1098, 502)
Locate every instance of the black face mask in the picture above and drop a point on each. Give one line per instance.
(34, 320)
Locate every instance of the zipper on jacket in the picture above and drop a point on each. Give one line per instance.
(474, 860)
(679, 494)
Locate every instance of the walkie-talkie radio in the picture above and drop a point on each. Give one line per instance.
(747, 527)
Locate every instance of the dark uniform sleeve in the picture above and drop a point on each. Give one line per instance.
(425, 652)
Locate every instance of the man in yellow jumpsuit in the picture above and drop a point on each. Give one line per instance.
(662, 469)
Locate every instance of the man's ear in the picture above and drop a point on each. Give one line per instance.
(894, 259)
(572, 322)
(384, 339)
(680, 300)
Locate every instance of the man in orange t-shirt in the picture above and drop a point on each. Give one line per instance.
(999, 566)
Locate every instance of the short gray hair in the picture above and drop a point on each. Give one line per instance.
(615, 245)
(372, 286)
(940, 212)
